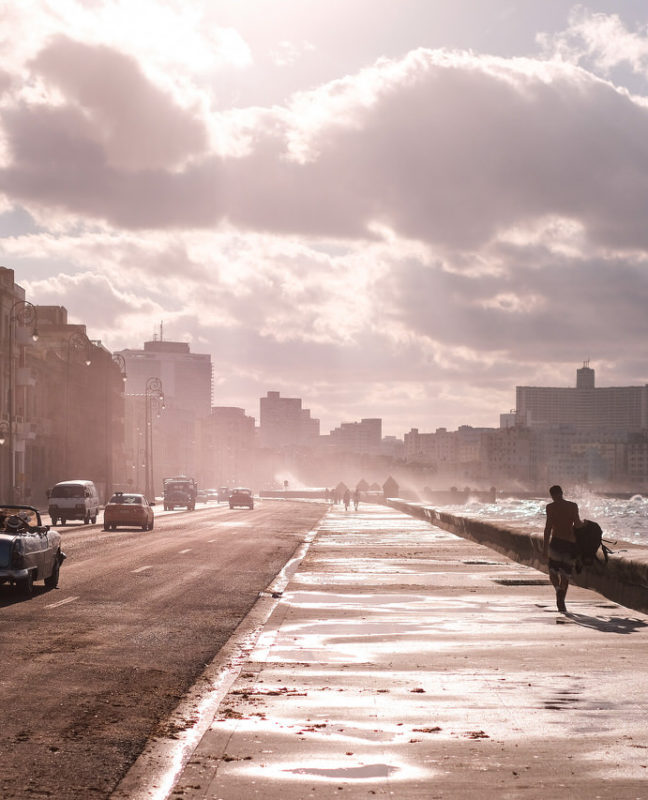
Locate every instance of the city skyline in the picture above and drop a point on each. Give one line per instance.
(403, 219)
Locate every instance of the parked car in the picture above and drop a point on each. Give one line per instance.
(241, 497)
(29, 550)
(129, 509)
(76, 499)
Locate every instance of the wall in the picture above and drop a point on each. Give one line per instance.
(624, 579)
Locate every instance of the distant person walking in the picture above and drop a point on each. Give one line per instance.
(560, 542)
(347, 499)
(356, 499)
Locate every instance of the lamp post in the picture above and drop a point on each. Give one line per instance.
(153, 389)
(120, 361)
(4, 433)
(76, 343)
(22, 313)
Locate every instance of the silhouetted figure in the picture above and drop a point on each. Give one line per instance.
(560, 547)
(347, 499)
(356, 499)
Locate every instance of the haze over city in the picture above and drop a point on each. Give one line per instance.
(394, 209)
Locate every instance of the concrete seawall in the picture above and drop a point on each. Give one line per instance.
(623, 579)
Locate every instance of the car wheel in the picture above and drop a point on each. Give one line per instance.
(106, 527)
(26, 585)
(113, 527)
(63, 520)
(93, 519)
(86, 519)
(151, 525)
(52, 581)
(53, 520)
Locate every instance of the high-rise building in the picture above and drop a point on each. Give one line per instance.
(584, 406)
(284, 423)
(164, 434)
(358, 437)
(227, 442)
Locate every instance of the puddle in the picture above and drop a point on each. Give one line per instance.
(364, 773)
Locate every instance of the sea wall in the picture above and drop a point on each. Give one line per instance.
(623, 579)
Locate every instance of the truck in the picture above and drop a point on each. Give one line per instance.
(180, 491)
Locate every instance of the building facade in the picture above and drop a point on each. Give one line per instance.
(584, 406)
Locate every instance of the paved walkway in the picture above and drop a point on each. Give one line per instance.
(402, 661)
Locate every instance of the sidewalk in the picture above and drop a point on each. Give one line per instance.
(402, 661)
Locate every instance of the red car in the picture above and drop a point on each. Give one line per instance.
(133, 510)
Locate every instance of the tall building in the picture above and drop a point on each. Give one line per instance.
(284, 423)
(584, 406)
(358, 437)
(61, 402)
(172, 424)
(227, 442)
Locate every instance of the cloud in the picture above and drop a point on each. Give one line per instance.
(599, 41)
(136, 124)
(446, 148)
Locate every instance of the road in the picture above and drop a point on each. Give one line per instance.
(90, 671)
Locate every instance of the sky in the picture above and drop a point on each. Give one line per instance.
(389, 208)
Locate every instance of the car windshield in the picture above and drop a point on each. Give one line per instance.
(68, 490)
(127, 499)
(13, 519)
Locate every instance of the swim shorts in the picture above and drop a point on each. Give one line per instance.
(562, 556)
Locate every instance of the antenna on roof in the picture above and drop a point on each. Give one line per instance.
(161, 331)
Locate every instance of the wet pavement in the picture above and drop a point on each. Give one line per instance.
(402, 661)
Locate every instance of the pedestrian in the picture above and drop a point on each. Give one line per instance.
(356, 499)
(347, 499)
(560, 548)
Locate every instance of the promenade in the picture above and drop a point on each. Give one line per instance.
(402, 661)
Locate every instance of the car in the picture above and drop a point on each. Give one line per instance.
(241, 497)
(222, 494)
(128, 508)
(76, 499)
(29, 550)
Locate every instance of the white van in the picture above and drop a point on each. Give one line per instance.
(73, 500)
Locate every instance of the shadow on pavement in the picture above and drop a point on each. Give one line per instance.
(609, 624)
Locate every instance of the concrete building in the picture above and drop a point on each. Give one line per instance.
(61, 403)
(364, 437)
(227, 443)
(172, 424)
(284, 423)
(584, 406)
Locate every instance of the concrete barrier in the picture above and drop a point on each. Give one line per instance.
(623, 579)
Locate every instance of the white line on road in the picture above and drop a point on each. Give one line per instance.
(188, 550)
(141, 569)
(62, 602)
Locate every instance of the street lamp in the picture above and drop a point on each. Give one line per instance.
(22, 313)
(77, 343)
(119, 360)
(153, 389)
(121, 363)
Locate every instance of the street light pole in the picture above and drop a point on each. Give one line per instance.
(23, 312)
(75, 342)
(153, 389)
(120, 361)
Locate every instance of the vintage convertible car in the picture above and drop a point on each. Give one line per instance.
(29, 550)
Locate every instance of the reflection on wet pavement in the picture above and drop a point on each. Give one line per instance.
(452, 677)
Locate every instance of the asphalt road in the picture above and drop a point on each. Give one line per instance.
(90, 671)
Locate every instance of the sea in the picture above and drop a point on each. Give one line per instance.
(623, 520)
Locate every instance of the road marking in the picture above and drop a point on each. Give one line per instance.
(188, 550)
(141, 569)
(62, 602)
